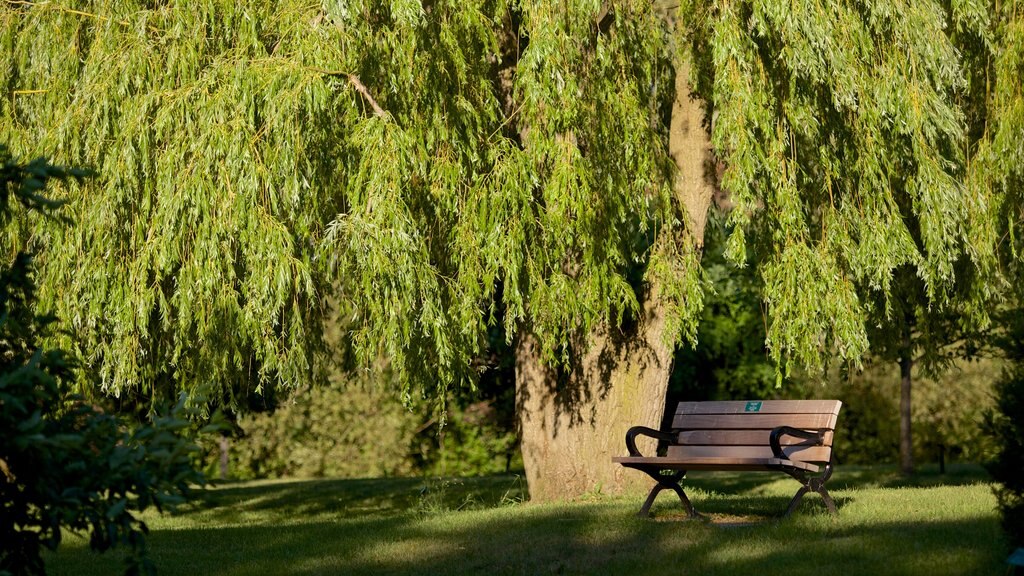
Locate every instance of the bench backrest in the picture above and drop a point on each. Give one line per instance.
(740, 429)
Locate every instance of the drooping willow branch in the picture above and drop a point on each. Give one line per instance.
(66, 10)
(359, 86)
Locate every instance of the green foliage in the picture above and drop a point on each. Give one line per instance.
(729, 359)
(842, 151)
(869, 433)
(352, 424)
(1008, 426)
(479, 435)
(1000, 155)
(194, 230)
(343, 430)
(411, 157)
(949, 411)
(356, 429)
(474, 441)
(212, 276)
(948, 416)
(66, 464)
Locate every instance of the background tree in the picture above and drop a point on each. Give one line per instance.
(922, 338)
(430, 161)
(909, 327)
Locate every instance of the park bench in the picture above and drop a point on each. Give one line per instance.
(789, 436)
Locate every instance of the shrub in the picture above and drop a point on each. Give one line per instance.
(474, 441)
(342, 430)
(350, 429)
(1007, 424)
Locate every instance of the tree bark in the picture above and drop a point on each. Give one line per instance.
(572, 424)
(906, 439)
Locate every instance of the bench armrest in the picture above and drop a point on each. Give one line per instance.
(781, 431)
(635, 431)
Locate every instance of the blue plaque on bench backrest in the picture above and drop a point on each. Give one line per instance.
(753, 407)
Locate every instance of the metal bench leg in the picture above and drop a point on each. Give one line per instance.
(645, 510)
(816, 485)
(828, 499)
(686, 502)
(670, 482)
(795, 501)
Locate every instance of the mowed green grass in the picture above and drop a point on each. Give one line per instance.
(930, 525)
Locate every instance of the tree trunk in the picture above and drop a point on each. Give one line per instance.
(573, 424)
(906, 440)
(225, 458)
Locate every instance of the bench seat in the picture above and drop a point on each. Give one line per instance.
(719, 464)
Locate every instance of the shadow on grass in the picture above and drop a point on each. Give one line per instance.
(386, 496)
(410, 526)
(581, 539)
(845, 478)
(747, 509)
(355, 498)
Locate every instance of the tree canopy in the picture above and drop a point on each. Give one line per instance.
(420, 161)
(257, 157)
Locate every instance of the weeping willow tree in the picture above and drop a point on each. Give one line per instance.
(433, 168)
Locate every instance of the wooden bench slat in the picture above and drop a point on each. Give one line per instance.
(723, 464)
(753, 421)
(739, 438)
(761, 407)
(802, 453)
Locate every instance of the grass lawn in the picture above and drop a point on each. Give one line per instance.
(930, 525)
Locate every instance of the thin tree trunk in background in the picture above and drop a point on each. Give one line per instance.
(906, 439)
(224, 457)
(571, 426)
